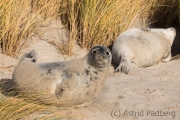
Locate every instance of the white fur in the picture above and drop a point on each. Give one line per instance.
(62, 83)
(138, 48)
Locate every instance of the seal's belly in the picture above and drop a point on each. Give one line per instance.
(147, 55)
(148, 60)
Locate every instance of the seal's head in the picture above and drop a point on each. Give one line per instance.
(168, 33)
(171, 34)
(100, 57)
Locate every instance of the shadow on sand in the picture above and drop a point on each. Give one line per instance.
(175, 49)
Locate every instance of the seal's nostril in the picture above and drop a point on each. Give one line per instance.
(101, 57)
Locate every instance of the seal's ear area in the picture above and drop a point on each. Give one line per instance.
(171, 34)
(31, 54)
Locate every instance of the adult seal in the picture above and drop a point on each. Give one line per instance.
(65, 83)
(142, 47)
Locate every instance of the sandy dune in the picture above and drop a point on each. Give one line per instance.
(149, 93)
(145, 91)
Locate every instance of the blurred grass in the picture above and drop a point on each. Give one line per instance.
(13, 108)
(19, 109)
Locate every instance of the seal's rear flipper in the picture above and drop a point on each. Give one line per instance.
(31, 54)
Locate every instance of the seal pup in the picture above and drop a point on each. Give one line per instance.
(142, 48)
(64, 83)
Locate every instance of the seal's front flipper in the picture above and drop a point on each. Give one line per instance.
(68, 84)
(31, 54)
(167, 57)
(123, 67)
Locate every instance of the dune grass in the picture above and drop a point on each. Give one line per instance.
(16, 108)
(20, 19)
(13, 108)
(165, 13)
(100, 22)
(16, 105)
(89, 22)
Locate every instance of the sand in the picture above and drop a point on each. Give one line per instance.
(146, 94)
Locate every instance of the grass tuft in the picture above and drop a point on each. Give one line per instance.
(90, 22)
(20, 19)
(165, 13)
(100, 22)
(13, 108)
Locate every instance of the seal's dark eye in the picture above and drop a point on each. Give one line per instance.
(107, 53)
(94, 52)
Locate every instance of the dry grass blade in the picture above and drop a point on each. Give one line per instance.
(100, 22)
(12, 108)
(16, 108)
(165, 13)
(17, 24)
